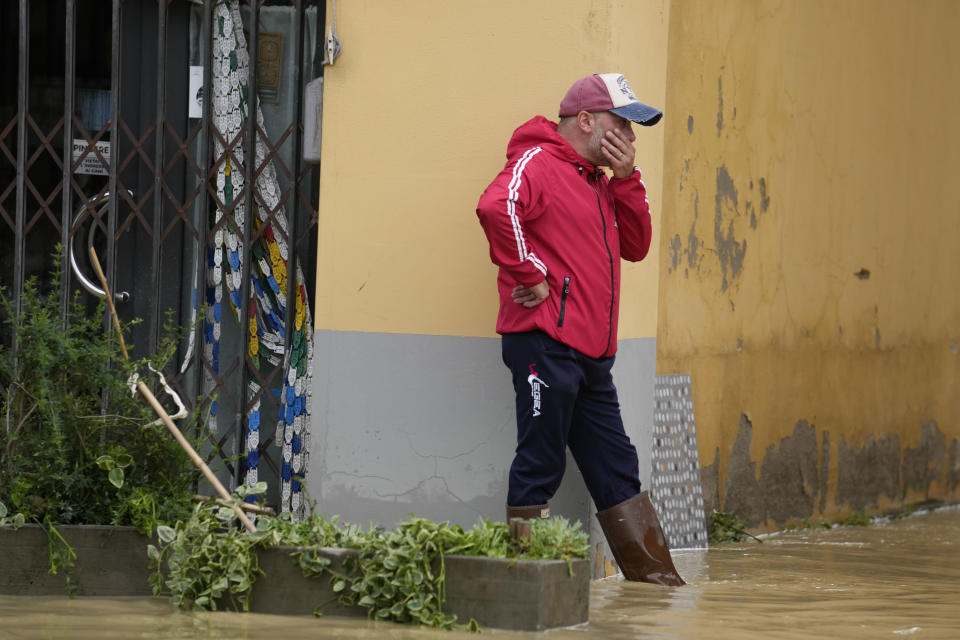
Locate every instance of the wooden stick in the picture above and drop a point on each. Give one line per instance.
(160, 411)
(246, 506)
(113, 309)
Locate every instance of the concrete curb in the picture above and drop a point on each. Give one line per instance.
(528, 595)
(283, 590)
(112, 561)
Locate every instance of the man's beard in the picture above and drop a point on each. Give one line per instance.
(596, 147)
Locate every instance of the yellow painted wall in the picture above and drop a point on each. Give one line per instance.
(417, 113)
(809, 140)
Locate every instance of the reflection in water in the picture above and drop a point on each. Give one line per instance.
(899, 579)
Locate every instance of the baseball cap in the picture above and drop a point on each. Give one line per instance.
(608, 92)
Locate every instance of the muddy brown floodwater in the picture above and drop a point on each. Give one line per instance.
(889, 580)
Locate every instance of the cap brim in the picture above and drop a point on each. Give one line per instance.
(639, 113)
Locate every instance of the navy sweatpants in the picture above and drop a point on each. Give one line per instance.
(566, 399)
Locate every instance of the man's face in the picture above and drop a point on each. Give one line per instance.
(604, 121)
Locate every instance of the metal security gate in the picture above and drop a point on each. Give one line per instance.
(131, 126)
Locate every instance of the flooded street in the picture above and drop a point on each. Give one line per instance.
(889, 580)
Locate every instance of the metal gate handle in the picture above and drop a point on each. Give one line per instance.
(100, 203)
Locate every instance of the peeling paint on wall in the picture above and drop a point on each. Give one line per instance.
(729, 250)
(953, 466)
(749, 207)
(789, 480)
(693, 241)
(764, 198)
(866, 473)
(923, 464)
(792, 482)
(710, 483)
(742, 494)
(676, 248)
(789, 475)
(719, 105)
(824, 470)
(692, 250)
(797, 189)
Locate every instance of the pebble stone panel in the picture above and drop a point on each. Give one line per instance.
(676, 491)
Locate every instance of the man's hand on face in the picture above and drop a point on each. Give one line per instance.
(619, 152)
(531, 296)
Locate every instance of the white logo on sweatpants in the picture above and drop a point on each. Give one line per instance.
(534, 381)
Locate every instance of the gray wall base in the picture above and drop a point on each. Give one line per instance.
(426, 425)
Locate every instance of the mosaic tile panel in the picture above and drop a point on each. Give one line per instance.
(676, 491)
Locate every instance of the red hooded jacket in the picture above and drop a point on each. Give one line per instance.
(551, 214)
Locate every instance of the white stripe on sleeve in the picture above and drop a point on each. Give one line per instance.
(512, 193)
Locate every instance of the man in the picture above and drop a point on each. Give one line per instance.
(557, 227)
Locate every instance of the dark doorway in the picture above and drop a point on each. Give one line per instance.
(99, 147)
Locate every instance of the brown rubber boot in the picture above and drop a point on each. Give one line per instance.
(528, 513)
(519, 520)
(637, 542)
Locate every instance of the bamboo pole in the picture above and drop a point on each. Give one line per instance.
(160, 411)
(246, 506)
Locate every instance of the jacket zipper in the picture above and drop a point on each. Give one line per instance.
(606, 245)
(563, 299)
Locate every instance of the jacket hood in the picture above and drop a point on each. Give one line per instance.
(540, 132)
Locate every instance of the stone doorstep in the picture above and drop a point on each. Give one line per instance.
(112, 561)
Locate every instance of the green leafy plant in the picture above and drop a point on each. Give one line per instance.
(727, 527)
(209, 563)
(398, 580)
(62, 556)
(820, 524)
(904, 512)
(855, 519)
(75, 445)
(206, 562)
(557, 538)
(115, 467)
(14, 521)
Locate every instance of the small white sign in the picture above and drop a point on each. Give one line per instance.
(91, 164)
(195, 93)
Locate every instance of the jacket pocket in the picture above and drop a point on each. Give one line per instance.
(563, 300)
